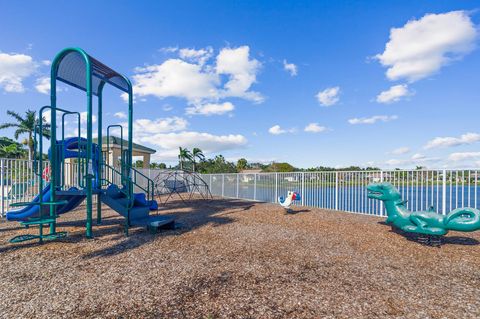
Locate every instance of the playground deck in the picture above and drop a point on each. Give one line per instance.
(237, 259)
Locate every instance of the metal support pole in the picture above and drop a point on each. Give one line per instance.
(303, 189)
(238, 185)
(223, 185)
(98, 182)
(276, 188)
(381, 202)
(444, 192)
(254, 186)
(89, 164)
(336, 190)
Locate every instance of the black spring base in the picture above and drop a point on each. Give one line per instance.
(430, 240)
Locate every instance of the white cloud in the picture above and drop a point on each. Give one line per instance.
(314, 128)
(176, 78)
(400, 151)
(418, 156)
(194, 77)
(14, 68)
(43, 85)
(146, 128)
(373, 119)
(276, 130)
(120, 115)
(393, 94)
(462, 156)
(422, 47)
(208, 143)
(290, 68)
(83, 118)
(198, 56)
(416, 159)
(329, 96)
(242, 72)
(210, 109)
(464, 139)
(169, 49)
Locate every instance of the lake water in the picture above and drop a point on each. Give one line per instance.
(354, 198)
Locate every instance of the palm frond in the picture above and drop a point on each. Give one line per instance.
(19, 132)
(16, 116)
(8, 125)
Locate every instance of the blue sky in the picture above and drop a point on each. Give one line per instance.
(269, 81)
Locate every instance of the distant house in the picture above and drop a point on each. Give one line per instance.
(375, 177)
(294, 178)
(115, 145)
(248, 174)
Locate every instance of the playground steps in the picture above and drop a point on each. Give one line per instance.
(39, 221)
(120, 205)
(139, 212)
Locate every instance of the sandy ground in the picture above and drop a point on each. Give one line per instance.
(236, 259)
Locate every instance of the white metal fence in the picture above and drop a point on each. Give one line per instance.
(443, 190)
(17, 182)
(338, 190)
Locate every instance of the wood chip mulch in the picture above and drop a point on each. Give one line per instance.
(238, 259)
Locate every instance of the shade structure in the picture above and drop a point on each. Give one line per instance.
(72, 68)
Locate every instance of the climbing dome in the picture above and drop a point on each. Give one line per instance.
(187, 185)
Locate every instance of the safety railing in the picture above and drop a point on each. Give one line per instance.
(444, 189)
(142, 183)
(19, 182)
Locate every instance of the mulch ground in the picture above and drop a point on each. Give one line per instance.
(237, 259)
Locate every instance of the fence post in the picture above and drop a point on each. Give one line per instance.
(381, 202)
(238, 185)
(336, 190)
(444, 192)
(276, 187)
(303, 189)
(223, 185)
(2, 180)
(255, 186)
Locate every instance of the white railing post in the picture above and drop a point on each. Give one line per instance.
(303, 189)
(276, 187)
(255, 186)
(336, 190)
(444, 192)
(381, 202)
(2, 181)
(238, 185)
(210, 185)
(223, 185)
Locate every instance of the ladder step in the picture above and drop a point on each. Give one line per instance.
(39, 221)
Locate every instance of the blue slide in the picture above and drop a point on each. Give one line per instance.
(71, 148)
(73, 200)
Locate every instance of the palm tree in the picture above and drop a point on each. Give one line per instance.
(184, 154)
(26, 125)
(12, 151)
(197, 153)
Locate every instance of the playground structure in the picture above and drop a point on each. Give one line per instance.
(187, 185)
(428, 225)
(288, 201)
(113, 187)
